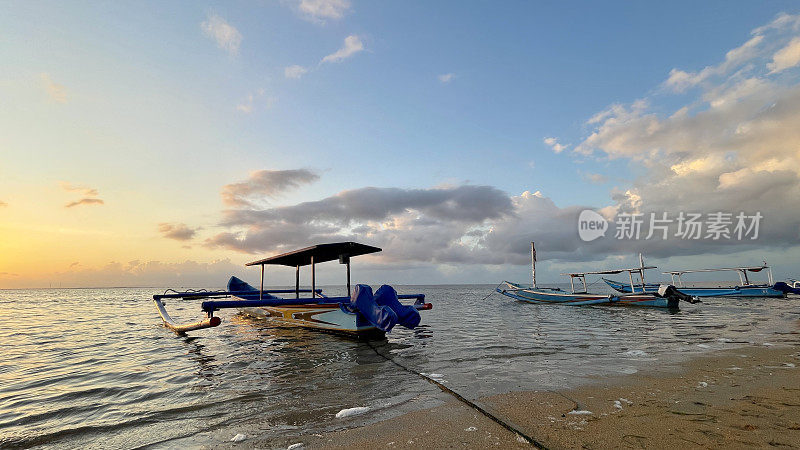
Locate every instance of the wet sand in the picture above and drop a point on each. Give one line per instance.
(747, 397)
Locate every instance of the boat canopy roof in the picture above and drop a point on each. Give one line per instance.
(320, 253)
(608, 272)
(722, 269)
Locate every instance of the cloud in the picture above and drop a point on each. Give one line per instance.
(3, 204)
(680, 80)
(265, 183)
(446, 77)
(294, 71)
(320, 10)
(786, 57)
(176, 231)
(56, 91)
(595, 178)
(85, 201)
(418, 224)
(352, 45)
(224, 34)
(84, 190)
(553, 143)
(89, 194)
(253, 100)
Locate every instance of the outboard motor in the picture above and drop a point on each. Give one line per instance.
(785, 288)
(674, 296)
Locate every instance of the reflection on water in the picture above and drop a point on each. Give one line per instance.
(94, 367)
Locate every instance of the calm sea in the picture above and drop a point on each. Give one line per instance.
(94, 367)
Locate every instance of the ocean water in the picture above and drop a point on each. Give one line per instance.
(95, 367)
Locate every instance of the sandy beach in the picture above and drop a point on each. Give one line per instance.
(746, 397)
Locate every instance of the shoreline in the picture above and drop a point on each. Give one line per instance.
(748, 396)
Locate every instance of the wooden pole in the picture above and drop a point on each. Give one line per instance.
(633, 289)
(261, 292)
(533, 263)
(297, 282)
(313, 279)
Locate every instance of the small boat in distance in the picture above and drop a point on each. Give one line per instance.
(745, 289)
(362, 314)
(663, 297)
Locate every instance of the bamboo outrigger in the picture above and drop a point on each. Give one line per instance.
(360, 314)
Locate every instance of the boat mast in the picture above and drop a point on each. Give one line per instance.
(297, 281)
(533, 264)
(261, 292)
(641, 270)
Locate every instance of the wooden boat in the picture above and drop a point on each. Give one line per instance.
(664, 297)
(745, 289)
(362, 314)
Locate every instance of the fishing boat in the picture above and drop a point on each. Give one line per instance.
(362, 314)
(744, 289)
(663, 297)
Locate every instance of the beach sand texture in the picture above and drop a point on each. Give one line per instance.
(746, 397)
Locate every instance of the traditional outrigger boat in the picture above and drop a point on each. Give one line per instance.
(663, 297)
(745, 289)
(362, 314)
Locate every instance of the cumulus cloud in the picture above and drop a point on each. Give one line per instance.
(56, 91)
(446, 77)
(3, 204)
(88, 194)
(412, 221)
(224, 34)
(554, 144)
(265, 183)
(352, 45)
(176, 231)
(294, 71)
(787, 57)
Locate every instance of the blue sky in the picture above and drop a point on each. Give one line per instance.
(160, 105)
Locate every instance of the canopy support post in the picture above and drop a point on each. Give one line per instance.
(348, 276)
(261, 292)
(313, 279)
(297, 281)
(585, 289)
(771, 280)
(572, 283)
(633, 288)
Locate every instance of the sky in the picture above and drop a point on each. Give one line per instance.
(169, 143)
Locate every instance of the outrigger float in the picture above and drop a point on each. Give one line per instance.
(362, 314)
(663, 297)
(744, 289)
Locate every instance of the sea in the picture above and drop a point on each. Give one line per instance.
(95, 368)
